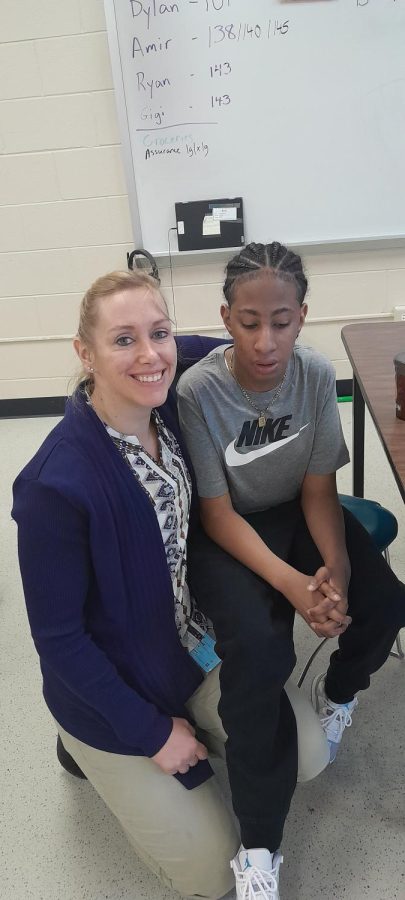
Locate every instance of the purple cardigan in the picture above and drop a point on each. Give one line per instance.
(98, 590)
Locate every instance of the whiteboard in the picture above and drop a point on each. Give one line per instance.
(298, 107)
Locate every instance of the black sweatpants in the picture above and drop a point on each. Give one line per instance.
(254, 629)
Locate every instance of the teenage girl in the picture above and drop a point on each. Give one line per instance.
(262, 427)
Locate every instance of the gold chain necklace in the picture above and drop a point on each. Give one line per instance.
(263, 413)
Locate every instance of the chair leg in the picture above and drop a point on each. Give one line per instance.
(310, 661)
(398, 653)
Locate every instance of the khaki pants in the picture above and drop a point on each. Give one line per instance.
(187, 838)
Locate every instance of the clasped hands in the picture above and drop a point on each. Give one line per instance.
(322, 600)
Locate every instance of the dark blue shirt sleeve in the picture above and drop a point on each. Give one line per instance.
(55, 566)
(193, 347)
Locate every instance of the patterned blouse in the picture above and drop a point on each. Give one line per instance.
(168, 486)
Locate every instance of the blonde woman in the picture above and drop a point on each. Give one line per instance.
(130, 674)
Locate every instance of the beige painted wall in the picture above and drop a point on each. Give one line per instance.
(64, 215)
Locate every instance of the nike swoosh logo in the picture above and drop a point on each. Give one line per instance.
(233, 458)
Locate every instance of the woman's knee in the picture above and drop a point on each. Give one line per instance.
(208, 847)
(199, 868)
(217, 881)
(313, 750)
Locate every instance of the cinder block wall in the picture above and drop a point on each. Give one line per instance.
(64, 216)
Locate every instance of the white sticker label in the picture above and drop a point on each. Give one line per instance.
(180, 227)
(225, 213)
(211, 226)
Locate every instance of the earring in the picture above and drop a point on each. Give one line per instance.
(90, 369)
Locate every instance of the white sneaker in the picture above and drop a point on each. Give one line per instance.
(335, 717)
(256, 874)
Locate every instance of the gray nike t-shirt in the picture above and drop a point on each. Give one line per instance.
(260, 466)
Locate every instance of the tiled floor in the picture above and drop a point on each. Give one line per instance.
(345, 836)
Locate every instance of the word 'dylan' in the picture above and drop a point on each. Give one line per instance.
(152, 9)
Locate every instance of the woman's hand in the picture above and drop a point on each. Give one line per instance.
(181, 750)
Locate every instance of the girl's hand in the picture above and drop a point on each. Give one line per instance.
(319, 611)
(333, 582)
(181, 750)
(322, 581)
(335, 613)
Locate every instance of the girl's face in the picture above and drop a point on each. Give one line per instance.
(264, 320)
(133, 352)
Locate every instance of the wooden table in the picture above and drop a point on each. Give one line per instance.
(371, 349)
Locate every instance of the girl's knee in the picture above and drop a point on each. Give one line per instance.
(270, 655)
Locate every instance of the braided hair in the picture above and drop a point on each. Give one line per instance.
(249, 263)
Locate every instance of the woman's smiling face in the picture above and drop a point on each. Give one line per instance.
(133, 352)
